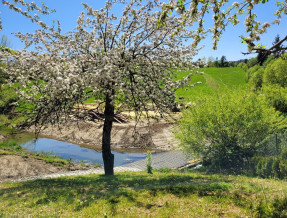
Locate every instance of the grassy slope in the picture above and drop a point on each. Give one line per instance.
(213, 79)
(140, 194)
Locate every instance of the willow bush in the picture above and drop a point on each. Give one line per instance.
(227, 129)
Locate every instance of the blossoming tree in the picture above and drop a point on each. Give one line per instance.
(26, 9)
(128, 60)
(227, 12)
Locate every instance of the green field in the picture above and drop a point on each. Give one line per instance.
(162, 194)
(213, 79)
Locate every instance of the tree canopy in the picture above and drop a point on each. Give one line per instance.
(129, 59)
(125, 60)
(226, 12)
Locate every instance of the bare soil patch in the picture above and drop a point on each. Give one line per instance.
(16, 167)
(2, 137)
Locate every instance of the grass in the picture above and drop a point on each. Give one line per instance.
(172, 193)
(212, 79)
(10, 116)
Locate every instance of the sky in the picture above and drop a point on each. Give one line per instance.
(67, 12)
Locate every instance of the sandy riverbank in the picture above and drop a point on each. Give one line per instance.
(158, 136)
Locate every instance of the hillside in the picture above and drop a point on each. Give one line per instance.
(212, 79)
(162, 194)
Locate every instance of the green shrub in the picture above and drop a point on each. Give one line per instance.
(275, 167)
(243, 66)
(255, 76)
(252, 62)
(227, 129)
(279, 207)
(269, 167)
(7, 99)
(276, 96)
(276, 73)
(252, 70)
(264, 167)
(269, 60)
(148, 162)
(276, 208)
(284, 155)
(283, 164)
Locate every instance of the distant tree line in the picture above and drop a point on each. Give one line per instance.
(260, 59)
(222, 62)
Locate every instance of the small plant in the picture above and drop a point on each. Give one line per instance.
(148, 162)
(165, 170)
(96, 165)
(82, 163)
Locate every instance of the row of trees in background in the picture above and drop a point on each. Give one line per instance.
(222, 62)
(260, 59)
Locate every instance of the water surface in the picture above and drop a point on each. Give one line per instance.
(72, 151)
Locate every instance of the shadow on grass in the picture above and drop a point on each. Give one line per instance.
(84, 190)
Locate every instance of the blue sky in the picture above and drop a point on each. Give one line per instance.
(67, 12)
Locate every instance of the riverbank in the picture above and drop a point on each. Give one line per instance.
(156, 137)
(17, 163)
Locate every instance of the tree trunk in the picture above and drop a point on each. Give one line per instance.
(108, 157)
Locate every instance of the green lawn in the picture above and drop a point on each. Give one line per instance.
(213, 79)
(169, 194)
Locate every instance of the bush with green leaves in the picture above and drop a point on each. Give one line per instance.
(252, 70)
(276, 96)
(252, 62)
(243, 66)
(276, 72)
(270, 59)
(270, 167)
(7, 99)
(148, 162)
(255, 75)
(276, 208)
(226, 129)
